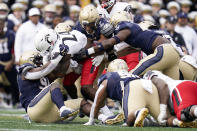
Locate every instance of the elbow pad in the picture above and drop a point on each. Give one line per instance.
(107, 30)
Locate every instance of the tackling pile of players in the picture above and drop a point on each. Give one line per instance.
(106, 45)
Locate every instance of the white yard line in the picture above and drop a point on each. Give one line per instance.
(5, 129)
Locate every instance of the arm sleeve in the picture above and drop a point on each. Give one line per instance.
(45, 71)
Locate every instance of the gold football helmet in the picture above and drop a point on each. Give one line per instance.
(117, 65)
(119, 17)
(88, 14)
(63, 27)
(30, 57)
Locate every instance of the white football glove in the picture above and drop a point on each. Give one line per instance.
(162, 118)
(97, 60)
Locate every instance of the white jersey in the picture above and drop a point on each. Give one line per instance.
(118, 6)
(171, 84)
(75, 40)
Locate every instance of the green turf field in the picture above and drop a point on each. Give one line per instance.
(12, 120)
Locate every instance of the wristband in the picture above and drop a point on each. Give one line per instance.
(163, 107)
(90, 51)
(100, 47)
(117, 39)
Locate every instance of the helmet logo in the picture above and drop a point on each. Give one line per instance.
(47, 38)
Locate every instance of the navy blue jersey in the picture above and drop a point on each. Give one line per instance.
(96, 34)
(29, 88)
(138, 38)
(6, 45)
(114, 90)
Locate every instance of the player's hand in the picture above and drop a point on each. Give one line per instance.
(148, 75)
(63, 49)
(96, 61)
(162, 118)
(81, 55)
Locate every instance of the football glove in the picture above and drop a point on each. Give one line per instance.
(148, 75)
(63, 49)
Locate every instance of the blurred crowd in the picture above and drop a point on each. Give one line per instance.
(20, 20)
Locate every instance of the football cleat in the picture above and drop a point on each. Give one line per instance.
(192, 124)
(114, 119)
(68, 113)
(139, 121)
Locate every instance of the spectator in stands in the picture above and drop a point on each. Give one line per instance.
(73, 13)
(189, 35)
(38, 4)
(25, 35)
(185, 5)
(192, 16)
(173, 7)
(18, 15)
(178, 39)
(4, 10)
(49, 14)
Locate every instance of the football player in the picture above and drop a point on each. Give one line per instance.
(179, 95)
(49, 43)
(161, 54)
(95, 28)
(106, 10)
(138, 96)
(43, 101)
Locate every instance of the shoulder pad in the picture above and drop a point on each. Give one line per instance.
(103, 77)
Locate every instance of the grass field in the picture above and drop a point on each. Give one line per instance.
(12, 120)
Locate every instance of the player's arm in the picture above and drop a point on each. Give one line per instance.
(162, 88)
(104, 45)
(37, 73)
(99, 101)
(163, 91)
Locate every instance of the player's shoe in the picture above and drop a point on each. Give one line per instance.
(114, 119)
(68, 113)
(139, 121)
(192, 124)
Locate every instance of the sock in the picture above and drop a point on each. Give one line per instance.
(195, 112)
(136, 113)
(105, 110)
(102, 117)
(57, 97)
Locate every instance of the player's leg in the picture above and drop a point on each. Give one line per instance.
(164, 57)
(189, 72)
(68, 84)
(88, 75)
(134, 104)
(49, 101)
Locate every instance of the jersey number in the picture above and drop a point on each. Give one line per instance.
(68, 36)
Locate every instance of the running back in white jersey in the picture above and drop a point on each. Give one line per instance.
(75, 40)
